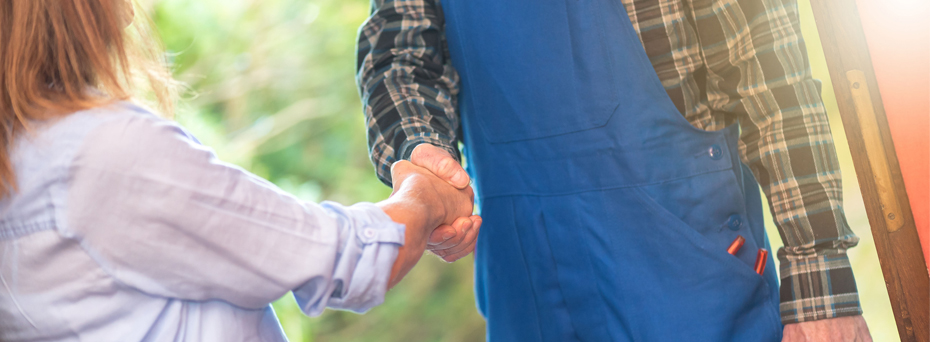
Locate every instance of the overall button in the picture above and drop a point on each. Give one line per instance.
(734, 222)
(715, 152)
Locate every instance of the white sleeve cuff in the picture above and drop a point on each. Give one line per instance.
(370, 243)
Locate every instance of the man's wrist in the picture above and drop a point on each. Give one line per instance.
(408, 147)
(839, 329)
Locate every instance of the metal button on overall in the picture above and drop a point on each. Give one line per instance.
(734, 222)
(715, 152)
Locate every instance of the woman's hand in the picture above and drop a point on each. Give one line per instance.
(422, 202)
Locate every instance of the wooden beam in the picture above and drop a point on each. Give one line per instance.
(873, 153)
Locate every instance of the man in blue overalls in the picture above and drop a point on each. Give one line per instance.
(608, 142)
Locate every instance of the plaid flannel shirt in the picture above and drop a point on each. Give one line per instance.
(721, 61)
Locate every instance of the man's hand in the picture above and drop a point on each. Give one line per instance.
(422, 202)
(840, 329)
(449, 242)
(439, 202)
(452, 242)
(439, 162)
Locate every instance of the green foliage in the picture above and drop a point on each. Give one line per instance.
(275, 94)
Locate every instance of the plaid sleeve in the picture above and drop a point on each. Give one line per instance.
(407, 85)
(758, 71)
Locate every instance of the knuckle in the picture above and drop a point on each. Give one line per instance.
(445, 167)
(420, 152)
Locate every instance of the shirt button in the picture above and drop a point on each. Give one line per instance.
(369, 233)
(734, 222)
(715, 152)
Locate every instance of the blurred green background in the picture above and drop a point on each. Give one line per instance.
(275, 94)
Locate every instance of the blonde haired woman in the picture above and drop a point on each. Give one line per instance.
(117, 225)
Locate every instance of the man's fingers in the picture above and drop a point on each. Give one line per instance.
(440, 163)
(455, 257)
(461, 227)
(441, 234)
(471, 244)
(471, 235)
(461, 254)
(446, 236)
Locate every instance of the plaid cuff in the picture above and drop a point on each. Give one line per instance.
(403, 152)
(817, 287)
(406, 149)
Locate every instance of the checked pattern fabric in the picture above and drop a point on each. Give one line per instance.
(720, 61)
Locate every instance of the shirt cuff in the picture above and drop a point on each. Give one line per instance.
(817, 287)
(406, 149)
(363, 267)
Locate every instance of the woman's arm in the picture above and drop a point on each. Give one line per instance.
(161, 214)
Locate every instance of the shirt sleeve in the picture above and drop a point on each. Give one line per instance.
(161, 214)
(758, 70)
(407, 84)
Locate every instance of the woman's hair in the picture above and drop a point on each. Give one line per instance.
(61, 56)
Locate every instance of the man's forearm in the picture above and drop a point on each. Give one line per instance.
(407, 84)
(786, 141)
(803, 184)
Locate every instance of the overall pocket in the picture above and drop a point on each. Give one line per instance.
(735, 291)
(533, 69)
(650, 275)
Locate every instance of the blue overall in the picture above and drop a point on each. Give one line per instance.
(607, 214)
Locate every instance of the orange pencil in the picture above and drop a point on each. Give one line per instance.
(736, 245)
(761, 258)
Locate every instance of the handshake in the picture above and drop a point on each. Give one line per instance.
(433, 199)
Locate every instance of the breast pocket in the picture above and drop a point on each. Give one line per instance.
(533, 68)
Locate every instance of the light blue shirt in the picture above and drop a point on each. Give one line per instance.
(125, 228)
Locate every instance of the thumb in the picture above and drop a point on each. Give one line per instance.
(440, 162)
(400, 171)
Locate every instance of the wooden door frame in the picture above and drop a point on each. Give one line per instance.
(876, 164)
